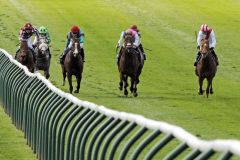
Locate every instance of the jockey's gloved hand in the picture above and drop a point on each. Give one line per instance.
(212, 48)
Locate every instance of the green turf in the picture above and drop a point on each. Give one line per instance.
(168, 87)
(12, 143)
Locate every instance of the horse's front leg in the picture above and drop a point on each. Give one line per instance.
(121, 82)
(70, 83)
(125, 84)
(46, 73)
(132, 85)
(79, 78)
(211, 89)
(200, 81)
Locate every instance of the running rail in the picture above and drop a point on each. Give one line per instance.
(58, 126)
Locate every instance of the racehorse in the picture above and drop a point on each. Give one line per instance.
(25, 57)
(206, 68)
(73, 65)
(129, 66)
(43, 57)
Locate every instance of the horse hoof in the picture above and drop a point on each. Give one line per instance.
(135, 94)
(211, 92)
(200, 93)
(131, 90)
(76, 91)
(120, 88)
(125, 92)
(63, 83)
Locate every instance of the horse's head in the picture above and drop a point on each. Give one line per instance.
(204, 47)
(75, 47)
(128, 41)
(43, 47)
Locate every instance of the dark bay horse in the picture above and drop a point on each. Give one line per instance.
(25, 57)
(206, 68)
(129, 66)
(43, 57)
(73, 65)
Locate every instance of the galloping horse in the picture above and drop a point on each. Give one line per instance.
(25, 57)
(43, 57)
(73, 65)
(206, 68)
(129, 65)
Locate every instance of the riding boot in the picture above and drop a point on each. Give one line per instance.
(197, 58)
(138, 52)
(119, 56)
(62, 57)
(142, 50)
(82, 54)
(215, 57)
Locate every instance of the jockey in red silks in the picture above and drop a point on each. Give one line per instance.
(25, 34)
(75, 31)
(137, 41)
(206, 33)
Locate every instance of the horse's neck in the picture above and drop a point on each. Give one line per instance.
(207, 60)
(23, 45)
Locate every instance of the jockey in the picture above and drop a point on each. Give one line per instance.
(43, 33)
(25, 34)
(74, 32)
(206, 33)
(137, 41)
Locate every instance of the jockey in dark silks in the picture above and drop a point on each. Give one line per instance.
(25, 34)
(77, 33)
(206, 33)
(137, 41)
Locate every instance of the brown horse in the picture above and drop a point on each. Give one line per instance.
(25, 57)
(129, 66)
(43, 57)
(73, 65)
(206, 68)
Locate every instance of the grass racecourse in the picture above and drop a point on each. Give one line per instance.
(168, 90)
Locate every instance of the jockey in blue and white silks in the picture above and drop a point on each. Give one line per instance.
(74, 32)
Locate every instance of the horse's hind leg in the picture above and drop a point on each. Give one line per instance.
(70, 83)
(79, 78)
(200, 80)
(208, 86)
(135, 82)
(64, 77)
